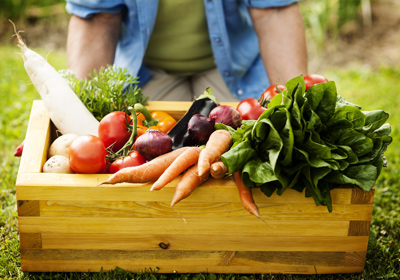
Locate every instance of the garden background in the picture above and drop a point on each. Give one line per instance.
(355, 43)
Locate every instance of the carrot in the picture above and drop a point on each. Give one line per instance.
(218, 170)
(66, 110)
(218, 143)
(180, 164)
(188, 183)
(146, 172)
(246, 197)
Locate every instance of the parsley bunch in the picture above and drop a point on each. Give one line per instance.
(110, 89)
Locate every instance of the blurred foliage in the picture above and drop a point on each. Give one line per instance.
(324, 19)
(23, 9)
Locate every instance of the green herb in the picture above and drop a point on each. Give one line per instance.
(110, 89)
(310, 141)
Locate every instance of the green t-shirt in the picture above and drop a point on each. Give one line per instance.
(180, 42)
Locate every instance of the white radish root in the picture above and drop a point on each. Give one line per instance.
(65, 108)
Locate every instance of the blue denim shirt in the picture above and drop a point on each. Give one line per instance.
(233, 39)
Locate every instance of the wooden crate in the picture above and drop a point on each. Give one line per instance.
(68, 223)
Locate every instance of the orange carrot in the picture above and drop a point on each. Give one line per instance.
(218, 170)
(219, 142)
(188, 183)
(246, 197)
(180, 164)
(146, 172)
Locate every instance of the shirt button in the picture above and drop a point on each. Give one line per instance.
(217, 40)
(240, 91)
(227, 74)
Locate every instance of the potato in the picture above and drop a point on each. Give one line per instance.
(61, 145)
(57, 164)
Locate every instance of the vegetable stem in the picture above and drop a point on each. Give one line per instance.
(150, 121)
(126, 149)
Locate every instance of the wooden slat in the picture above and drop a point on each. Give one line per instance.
(208, 260)
(175, 225)
(133, 209)
(139, 241)
(82, 187)
(37, 140)
(212, 258)
(94, 266)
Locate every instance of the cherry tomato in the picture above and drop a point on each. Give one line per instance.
(133, 159)
(113, 130)
(250, 109)
(271, 91)
(313, 79)
(87, 154)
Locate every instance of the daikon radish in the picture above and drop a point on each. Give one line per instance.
(66, 110)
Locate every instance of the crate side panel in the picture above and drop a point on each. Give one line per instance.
(189, 209)
(175, 225)
(78, 187)
(37, 140)
(159, 241)
(191, 261)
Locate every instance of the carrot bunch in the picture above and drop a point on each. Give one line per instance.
(195, 163)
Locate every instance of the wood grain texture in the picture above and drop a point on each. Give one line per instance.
(28, 208)
(30, 240)
(175, 225)
(37, 140)
(196, 261)
(225, 242)
(192, 209)
(359, 228)
(84, 187)
(362, 197)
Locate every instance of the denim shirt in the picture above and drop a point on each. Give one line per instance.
(233, 39)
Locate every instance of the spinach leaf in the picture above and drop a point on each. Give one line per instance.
(311, 141)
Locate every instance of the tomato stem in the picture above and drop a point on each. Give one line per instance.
(127, 148)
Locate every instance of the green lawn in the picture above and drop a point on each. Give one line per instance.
(372, 89)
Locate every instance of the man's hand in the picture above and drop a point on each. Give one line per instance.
(282, 41)
(91, 43)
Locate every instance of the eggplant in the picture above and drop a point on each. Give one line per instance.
(202, 105)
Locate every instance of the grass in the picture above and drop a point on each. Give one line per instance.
(378, 89)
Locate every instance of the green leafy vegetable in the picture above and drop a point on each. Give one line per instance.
(108, 90)
(311, 141)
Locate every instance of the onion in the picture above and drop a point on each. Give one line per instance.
(153, 143)
(200, 128)
(226, 115)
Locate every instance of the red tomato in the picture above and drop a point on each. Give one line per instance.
(113, 130)
(250, 109)
(133, 159)
(271, 91)
(313, 79)
(87, 154)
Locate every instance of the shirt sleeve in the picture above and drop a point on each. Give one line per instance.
(86, 9)
(268, 3)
